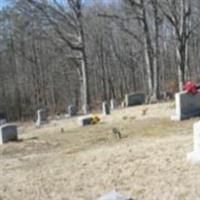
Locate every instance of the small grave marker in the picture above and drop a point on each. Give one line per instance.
(8, 132)
(72, 111)
(105, 108)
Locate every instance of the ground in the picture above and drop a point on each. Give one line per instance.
(148, 163)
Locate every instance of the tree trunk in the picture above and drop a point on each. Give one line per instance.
(156, 52)
(181, 56)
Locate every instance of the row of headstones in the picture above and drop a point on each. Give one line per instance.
(130, 100)
(8, 132)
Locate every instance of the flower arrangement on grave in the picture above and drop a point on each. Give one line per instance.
(95, 119)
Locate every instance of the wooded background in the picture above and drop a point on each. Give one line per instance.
(55, 53)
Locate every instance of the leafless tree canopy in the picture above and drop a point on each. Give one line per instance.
(54, 53)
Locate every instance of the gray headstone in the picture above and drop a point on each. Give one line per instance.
(72, 111)
(187, 105)
(112, 104)
(113, 196)
(8, 132)
(105, 108)
(134, 99)
(42, 116)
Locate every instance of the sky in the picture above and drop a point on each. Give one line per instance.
(4, 3)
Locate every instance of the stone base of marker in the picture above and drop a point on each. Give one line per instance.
(187, 106)
(8, 133)
(134, 99)
(194, 157)
(105, 108)
(72, 110)
(175, 118)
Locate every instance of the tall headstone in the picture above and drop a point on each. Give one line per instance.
(42, 115)
(134, 99)
(8, 132)
(112, 104)
(105, 108)
(187, 105)
(194, 156)
(72, 111)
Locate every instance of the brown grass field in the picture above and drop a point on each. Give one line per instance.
(83, 163)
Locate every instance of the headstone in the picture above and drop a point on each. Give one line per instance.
(187, 105)
(105, 108)
(112, 104)
(42, 115)
(114, 196)
(88, 120)
(194, 156)
(8, 132)
(72, 111)
(134, 99)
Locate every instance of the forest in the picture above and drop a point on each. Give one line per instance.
(54, 53)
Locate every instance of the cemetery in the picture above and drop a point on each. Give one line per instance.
(86, 161)
(99, 100)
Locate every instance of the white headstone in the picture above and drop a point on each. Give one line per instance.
(105, 108)
(112, 104)
(41, 117)
(187, 105)
(194, 156)
(8, 132)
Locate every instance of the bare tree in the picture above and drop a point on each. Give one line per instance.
(178, 14)
(73, 37)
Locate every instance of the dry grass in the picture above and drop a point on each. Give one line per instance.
(83, 163)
